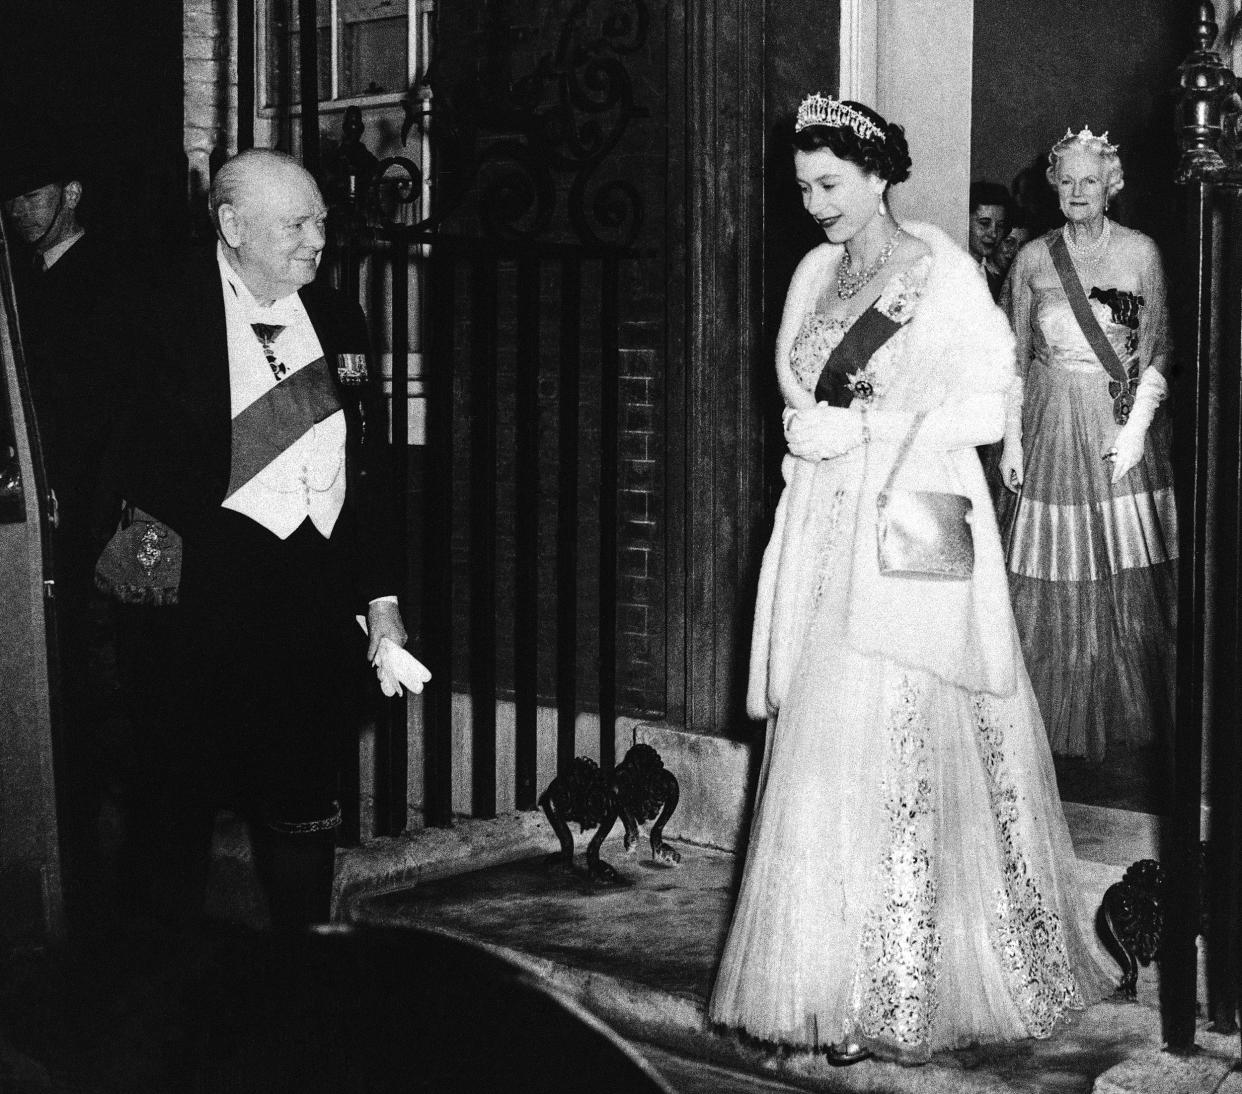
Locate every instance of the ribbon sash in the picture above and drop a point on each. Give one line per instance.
(1124, 382)
(865, 335)
(276, 420)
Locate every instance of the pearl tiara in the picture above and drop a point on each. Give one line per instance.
(1084, 136)
(817, 109)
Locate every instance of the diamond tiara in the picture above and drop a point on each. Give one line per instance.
(817, 109)
(1084, 135)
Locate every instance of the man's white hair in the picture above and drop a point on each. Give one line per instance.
(238, 174)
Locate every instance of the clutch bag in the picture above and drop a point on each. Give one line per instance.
(923, 533)
(141, 563)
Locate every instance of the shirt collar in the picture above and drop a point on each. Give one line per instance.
(283, 310)
(54, 254)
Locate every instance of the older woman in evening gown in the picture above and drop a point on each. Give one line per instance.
(1091, 537)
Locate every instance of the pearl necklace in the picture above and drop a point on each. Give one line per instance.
(1091, 251)
(849, 282)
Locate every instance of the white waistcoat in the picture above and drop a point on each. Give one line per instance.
(308, 478)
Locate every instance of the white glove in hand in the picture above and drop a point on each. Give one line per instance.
(822, 432)
(1127, 447)
(396, 667)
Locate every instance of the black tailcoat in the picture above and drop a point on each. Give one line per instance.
(275, 660)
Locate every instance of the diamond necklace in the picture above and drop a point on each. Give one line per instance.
(849, 282)
(1091, 251)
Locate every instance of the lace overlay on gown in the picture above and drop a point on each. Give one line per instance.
(895, 995)
(908, 882)
(1026, 930)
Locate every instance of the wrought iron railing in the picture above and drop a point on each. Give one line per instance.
(561, 297)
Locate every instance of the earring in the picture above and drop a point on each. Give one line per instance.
(881, 208)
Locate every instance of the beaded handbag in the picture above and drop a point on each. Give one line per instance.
(923, 533)
(142, 562)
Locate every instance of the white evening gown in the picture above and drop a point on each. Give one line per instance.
(909, 881)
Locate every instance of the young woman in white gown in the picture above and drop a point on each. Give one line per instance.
(910, 881)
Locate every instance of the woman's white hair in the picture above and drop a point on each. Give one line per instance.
(1100, 147)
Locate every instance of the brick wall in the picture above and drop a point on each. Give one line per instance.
(210, 60)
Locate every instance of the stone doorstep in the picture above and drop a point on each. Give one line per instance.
(676, 1021)
(712, 813)
(383, 865)
(1212, 1070)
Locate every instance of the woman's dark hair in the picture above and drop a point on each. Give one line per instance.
(888, 158)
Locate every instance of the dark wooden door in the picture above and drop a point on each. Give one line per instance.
(30, 884)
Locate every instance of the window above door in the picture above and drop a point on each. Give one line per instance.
(369, 51)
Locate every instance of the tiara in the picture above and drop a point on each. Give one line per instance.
(1084, 135)
(817, 109)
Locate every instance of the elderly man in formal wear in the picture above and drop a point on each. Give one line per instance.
(257, 441)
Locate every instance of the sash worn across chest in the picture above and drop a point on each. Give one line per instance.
(276, 420)
(866, 335)
(1123, 382)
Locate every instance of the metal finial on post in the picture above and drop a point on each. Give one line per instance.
(1208, 89)
(360, 161)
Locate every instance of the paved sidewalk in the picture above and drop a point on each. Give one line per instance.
(642, 958)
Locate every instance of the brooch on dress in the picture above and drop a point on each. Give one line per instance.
(1125, 306)
(861, 384)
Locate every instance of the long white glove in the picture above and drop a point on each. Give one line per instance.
(1012, 456)
(822, 431)
(1127, 447)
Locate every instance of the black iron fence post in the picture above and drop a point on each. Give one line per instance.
(1179, 963)
(436, 626)
(308, 58)
(569, 392)
(483, 407)
(391, 732)
(1207, 503)
(246, 104)
(1220, 911)
(609, 431)
(526, 532)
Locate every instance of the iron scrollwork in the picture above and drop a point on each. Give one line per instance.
(566, 116)
(641, 789)
(1130, 920)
